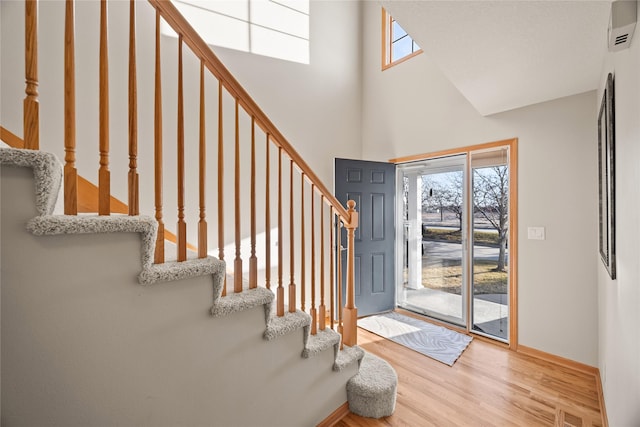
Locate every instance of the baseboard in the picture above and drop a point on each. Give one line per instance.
(587, 369)
(335, 416)
(603, 409)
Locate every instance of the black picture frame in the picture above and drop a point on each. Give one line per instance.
(606, 178)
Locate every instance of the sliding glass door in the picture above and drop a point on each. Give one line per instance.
(453, 239)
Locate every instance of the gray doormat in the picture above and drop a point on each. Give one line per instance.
(437, 342)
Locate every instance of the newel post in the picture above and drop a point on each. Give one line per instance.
(31, 105)
(350, 312)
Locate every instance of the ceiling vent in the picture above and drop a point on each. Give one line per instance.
(622, 23)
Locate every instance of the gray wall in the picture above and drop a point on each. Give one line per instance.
(412, 108)
(83, 344)
(619, 300)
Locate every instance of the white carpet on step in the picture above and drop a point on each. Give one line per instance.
(437, 342)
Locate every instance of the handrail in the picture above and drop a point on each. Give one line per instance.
(201, 49)
(10, 138)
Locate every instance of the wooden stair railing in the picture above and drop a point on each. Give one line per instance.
(339, 217)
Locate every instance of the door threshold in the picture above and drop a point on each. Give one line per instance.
(375, 314)
(489, 336)
(452, 326)
(425, 317)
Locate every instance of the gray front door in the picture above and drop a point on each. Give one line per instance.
(372, 186)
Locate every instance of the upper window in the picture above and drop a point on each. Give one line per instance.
(274, 28)
(397, 45)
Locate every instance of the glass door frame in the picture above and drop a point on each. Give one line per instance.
(512, 145)
(456, 163)
(472, 246)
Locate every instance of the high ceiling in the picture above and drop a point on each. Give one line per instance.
(503, 55)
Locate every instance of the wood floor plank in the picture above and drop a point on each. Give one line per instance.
(489, 385)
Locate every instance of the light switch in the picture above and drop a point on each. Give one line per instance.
(535, 233)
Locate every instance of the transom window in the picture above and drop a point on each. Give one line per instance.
(397, 45)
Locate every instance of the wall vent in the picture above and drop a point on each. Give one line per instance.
(622, 39)
(622, 23)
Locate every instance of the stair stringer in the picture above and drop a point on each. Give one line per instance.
(83, 344)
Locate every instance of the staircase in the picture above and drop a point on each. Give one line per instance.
(101, 328)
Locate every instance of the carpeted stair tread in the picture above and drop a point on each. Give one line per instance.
(290, 322)
(347, 356)
(233, 303)
(372, 391)
(173, 270)
(51, 225)
(47, 171)
(321, 341)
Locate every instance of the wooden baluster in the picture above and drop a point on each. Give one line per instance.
(280, 295)
(302, 248)
(134, 208)
(237, 263)
(31, 106)
(350, 336)
(70, 171)
(157, 151)
(181, 226)
(104, 176)
(292, 286)
(253, 261)
(221, 186)
(314, 312)
(322, 310)
(202, 223)
(340, 280)
(267, 220)
(332, 250)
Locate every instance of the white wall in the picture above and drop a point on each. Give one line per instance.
(619, 300)
(412, 108)
(316, 106)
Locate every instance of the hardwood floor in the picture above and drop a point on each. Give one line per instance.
(489, 385)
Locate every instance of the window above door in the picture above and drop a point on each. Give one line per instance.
(397, 45)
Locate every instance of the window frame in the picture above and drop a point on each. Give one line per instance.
(387, 45)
